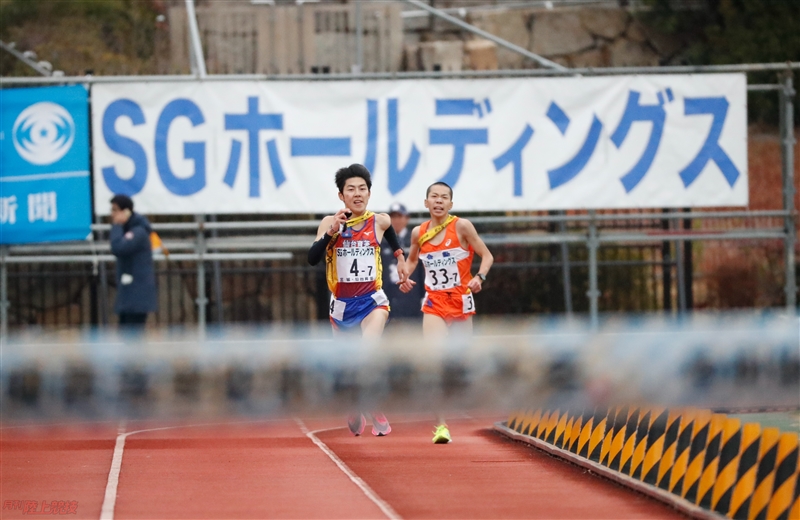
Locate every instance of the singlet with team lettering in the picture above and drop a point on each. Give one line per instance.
(447, 264)
(353, 262)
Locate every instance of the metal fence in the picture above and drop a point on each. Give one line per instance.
(527, 278)
(254, 270)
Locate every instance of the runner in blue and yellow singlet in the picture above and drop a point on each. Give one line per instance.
(350, 243)
(353, 269)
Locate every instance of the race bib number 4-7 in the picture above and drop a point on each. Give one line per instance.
(355, 264)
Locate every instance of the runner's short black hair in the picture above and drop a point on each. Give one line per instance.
(440, 183)
(122, 201)
(354, 170)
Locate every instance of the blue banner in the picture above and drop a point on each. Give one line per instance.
(44, 165)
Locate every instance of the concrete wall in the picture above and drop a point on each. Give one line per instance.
(288, 39)
(571, 36)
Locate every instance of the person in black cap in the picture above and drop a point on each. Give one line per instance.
(404, 305)
(136, 281)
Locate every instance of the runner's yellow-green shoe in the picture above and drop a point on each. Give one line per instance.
(441, 435)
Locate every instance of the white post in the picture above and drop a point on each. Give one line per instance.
(197, 48)
(359, 66)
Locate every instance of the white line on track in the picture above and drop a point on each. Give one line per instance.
(110, 498)
(378, 501)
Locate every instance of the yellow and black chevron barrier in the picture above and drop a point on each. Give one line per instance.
(707, 464)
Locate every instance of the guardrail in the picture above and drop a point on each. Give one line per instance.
(592, 236)
(586, 229)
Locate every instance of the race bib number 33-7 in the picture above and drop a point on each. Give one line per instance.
(441, 269)
(355, 264)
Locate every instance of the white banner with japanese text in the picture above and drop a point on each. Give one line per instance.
(502, 144)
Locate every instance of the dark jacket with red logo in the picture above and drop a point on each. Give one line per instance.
(136, 280)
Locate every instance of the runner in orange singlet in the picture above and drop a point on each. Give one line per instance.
(445, 245)
(447, 264)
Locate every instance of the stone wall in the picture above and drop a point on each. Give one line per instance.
(239, 37)
(571, 36)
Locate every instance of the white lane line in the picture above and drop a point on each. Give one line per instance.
(110, 498)
(378, 501)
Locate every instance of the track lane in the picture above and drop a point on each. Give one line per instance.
(66, 462)
(482, 474)
(235, 471)
(270, 469)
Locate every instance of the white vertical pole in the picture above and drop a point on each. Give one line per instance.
(359, 68)
(197, 48)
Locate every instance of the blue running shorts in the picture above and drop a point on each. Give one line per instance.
(346, 313)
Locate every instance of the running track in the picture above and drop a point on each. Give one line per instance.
(300, 468)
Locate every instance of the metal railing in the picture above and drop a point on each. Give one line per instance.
(591, 235)
(786, 85)
(589, 232)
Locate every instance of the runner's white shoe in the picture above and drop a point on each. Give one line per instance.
(356, 423)
(380, 425)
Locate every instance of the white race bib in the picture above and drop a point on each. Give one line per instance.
(356, 264)
(441, 268)
(337, 309)
(467, 303)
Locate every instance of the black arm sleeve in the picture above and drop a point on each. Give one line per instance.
(391, 238)
(317, 250)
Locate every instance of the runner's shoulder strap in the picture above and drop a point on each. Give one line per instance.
(435, 231)
(352, 222)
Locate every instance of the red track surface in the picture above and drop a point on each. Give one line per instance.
(271, 469)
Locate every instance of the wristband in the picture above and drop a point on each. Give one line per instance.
(398, 253)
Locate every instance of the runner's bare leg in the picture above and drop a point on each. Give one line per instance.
(372, 326)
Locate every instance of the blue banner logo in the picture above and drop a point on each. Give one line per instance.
(43, 133)
(44, 165)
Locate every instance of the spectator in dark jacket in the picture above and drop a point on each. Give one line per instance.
(136, 281)
(404, 305)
